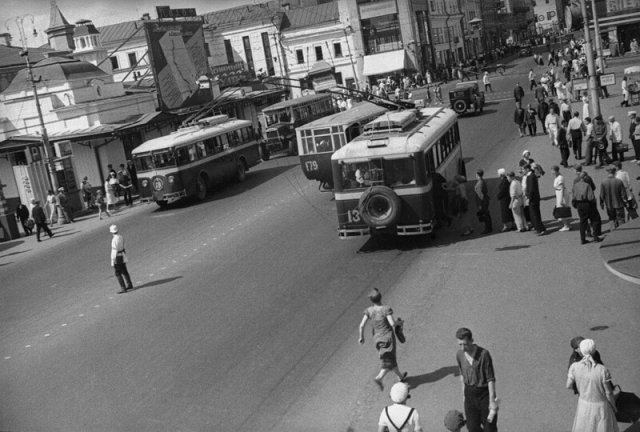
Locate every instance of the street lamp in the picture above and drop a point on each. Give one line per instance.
(46, 145)
(353, 68)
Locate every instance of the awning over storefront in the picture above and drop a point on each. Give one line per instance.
(383, 63)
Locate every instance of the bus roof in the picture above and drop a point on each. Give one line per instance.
(188, 135)
(297, 101)
(434, 123)
(359, 111)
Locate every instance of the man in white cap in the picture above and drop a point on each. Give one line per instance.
(399, 417)
(119, 260)
(615, 135)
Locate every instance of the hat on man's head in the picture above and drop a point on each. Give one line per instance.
(85, 178)
(454, 420)
(480, 172)
(575, 342)
(502, 172)
(631, 113)
(61, 189)
(526, 152)
(113, 229)
(611, 169)
(34, 201)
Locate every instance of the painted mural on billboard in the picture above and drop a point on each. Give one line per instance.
(178, 58)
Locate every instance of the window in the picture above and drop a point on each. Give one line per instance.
(229, 50)
(337, 49)
(132, 59)
(381, 34)
(267, 54)
(433, 5)
(300, 56)
(338, 76)
(249, 56)
(318, 53)
(114, 63)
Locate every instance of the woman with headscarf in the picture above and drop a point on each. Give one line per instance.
(384, 337)
(596, 404)
(399, 417)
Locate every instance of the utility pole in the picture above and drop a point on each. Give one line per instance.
(592, 80)
(47, 150)
(596, 30)
(353, 68)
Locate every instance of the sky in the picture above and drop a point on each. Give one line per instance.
(101, 12)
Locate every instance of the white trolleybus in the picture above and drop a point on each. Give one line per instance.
(319, 139)
(189, 161)
(383, 178)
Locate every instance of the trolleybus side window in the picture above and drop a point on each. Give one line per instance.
(182, 155)
(144, 163)
(210, 145)
(224, 141)
(163, 159)
(430, 161)
(200, 150)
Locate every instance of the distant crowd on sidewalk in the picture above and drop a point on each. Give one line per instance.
(57, 208)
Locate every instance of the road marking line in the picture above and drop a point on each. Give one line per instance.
(47, 334)
(63, 325)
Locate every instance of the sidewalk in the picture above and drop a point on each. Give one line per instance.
(620, 252)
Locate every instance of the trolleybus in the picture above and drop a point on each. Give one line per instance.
(280, 120)
(318, 139)
(189, 161)
(383, 179)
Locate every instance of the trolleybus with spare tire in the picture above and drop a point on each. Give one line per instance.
(383, 179)
(191, 160)
(318, 139)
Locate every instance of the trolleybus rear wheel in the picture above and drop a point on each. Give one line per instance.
(162, 204)
(241, 172)
(201, 188)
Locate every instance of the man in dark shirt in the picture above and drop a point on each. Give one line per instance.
(22, 214)
(482, 202)
(543, 110)
(40, 220)
(533, 195)
(613, 196)
(478, 383)
(518, 93)
(584, 201)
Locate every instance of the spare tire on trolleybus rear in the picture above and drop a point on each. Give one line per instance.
(383, 179)
(191, 160)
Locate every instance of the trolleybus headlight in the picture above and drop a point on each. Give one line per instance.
(145, 183)
(170, 179)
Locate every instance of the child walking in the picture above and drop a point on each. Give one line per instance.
(100, 204)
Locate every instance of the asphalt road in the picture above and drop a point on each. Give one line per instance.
(246, 312)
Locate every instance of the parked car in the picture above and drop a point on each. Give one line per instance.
(466, 96)
(525, 50)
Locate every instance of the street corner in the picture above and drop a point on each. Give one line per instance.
(619, 252)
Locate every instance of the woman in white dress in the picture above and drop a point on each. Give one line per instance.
(596, 404)
(110, 187)
(562, 198)
(517, 201)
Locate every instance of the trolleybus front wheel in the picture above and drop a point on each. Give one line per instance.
(241, 172)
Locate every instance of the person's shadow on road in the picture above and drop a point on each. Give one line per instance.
(156, 282)
(437, 375)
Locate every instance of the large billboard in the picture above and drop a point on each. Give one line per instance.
(178, 58)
